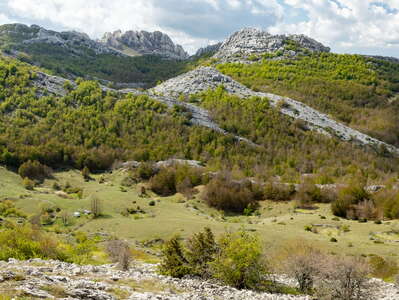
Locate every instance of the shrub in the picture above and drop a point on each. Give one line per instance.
(345, 278)
(34, 170)
(145, 170)
(347, 198)
(96, 206)
(225, 194)
(278, 191)
(239, 261)
(86, 173)
(307, 194)
(28, 184)
(201, 248)
(383, 268)
(151, 203)
(174, 262)
(25, 242)
(302, 262)
(164, 183)
(119, 252)
(177, 178)
(333, 240)
(387, 201)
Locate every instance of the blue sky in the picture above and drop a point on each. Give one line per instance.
(347, 26)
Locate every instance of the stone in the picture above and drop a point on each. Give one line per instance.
(145, 43)
(252, 41)
(208, 50)
(205, 78)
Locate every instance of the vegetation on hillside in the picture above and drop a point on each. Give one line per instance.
(360, 91)
(80, 61)
(91, 128)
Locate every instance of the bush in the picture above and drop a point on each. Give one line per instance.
(348, 197)
(145, 170)
(345, 278)
(96, 206)
(28, 184)
(177, 178)
(119, 252)
(34, 170)
(239, 261)
(307, 194)
(164, 183)
(302, 262)
(25, 242)
(387, 201)
(174, 262)
(225, 194)
(86, 173)
(278, 191)
(201, 248)
(383, 268)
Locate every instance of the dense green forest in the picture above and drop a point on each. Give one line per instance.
(80, 61)
(89, 127)
(359, 91)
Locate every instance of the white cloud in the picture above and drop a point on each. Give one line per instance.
(192, 23)
(348, 25)
(5, 19)
(345, 25)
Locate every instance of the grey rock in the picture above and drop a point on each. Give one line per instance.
(52, 84)
(208, 50)
(72, 40)
(250, 41)
(205, 78)
(36, 293)
(143, 42)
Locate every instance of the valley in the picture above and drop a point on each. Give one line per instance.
(117, 152)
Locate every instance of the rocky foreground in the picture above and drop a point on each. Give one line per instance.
(38, 278)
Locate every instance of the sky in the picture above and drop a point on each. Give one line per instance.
(347, 26)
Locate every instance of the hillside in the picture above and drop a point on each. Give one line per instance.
(264, 167)
(359, 91)
(73, 54)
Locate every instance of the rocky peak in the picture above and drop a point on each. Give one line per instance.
(143, 42)
(251, 41)
(35, 34)
(208, 50)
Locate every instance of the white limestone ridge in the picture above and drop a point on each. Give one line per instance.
(143, 42)
(250, 41)
(205, 78)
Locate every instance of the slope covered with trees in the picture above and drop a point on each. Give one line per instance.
(89, 127)
(78, 60)
(357, 90)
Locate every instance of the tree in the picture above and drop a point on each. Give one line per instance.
(239, 261)
(119, 252)
(302, 262)
(86, 173)
(96, 206)
(201, 248)
(174, 262)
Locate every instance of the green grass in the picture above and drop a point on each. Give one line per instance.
(278, 225)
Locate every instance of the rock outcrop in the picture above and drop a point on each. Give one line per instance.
(59, 280)
(70, 40)
(251, 41)
(143, 42)
(205, 78)
(198, 116)
(208, 50)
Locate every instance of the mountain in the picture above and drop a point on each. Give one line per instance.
(251, 42)
(208, 50)
(144, 43)
(73, 54)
